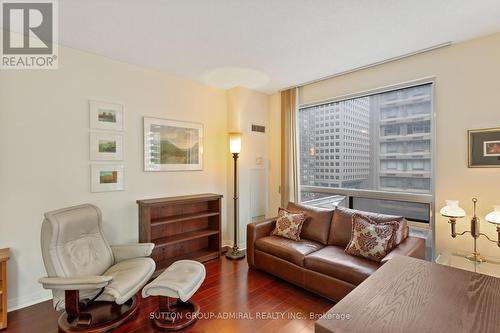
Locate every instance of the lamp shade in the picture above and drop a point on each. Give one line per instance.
(235, 142)
(452, 209)
(494, 216)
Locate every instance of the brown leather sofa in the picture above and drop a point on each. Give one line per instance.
(318, 262)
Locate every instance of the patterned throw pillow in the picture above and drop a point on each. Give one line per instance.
(289, 224)
(369, 239)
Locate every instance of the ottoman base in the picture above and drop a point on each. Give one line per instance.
(176, 315)
(178, 283)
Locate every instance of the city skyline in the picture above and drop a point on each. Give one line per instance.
(380, 142)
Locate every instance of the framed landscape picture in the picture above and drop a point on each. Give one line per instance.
(484, 148)
(106, 116)
(106, 147)
(171, 145)
(106, 177)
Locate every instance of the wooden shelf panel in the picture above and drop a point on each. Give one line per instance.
(184, 237)
(4, 256)
(186, 227)
(200, 255)
(180, 218)
(180, 199)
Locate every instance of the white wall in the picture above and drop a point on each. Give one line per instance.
(246, 107)
(274, 142)
(44, 149)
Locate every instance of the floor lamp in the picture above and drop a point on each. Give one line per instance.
(235, 148)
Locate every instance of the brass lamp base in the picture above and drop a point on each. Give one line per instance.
(235, 254)
(476, 257)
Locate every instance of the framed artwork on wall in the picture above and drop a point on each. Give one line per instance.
(106, 116)
(171, 145)
(106, 147)
(106, 177)
(484, 148)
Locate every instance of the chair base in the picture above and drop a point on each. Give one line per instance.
(99, 317)
(177, 315)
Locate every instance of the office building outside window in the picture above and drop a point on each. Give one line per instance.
(381, 142)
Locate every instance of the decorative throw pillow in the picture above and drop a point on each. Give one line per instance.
(289, 224)
(369, 239)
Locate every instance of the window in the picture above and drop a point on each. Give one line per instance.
(384, 144)
(418, 164)
(391, 130)
(389, 147)
(390, 165)
(389, 113)
(421, 127)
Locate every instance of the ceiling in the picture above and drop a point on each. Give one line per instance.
(267, 45)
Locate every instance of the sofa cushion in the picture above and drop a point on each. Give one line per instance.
(340, 232)
(369, 239)
(334, 262)
(317, 225)
(287, 249)
(289, 224)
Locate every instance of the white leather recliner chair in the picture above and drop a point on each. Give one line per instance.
(87, 276)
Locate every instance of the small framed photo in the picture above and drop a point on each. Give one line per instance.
(106, 177)
(106, 116)
(106, 147)
(171, 145)
(491, 148)
(484, 148)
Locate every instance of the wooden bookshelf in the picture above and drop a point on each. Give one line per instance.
(4, 257)
(183, 227)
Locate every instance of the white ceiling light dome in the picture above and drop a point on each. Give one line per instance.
(230, 77)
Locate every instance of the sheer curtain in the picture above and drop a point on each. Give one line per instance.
(289, 182)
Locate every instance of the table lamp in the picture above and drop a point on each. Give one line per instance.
(453, 211)
(494, 218)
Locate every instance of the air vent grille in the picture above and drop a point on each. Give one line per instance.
(259, 128)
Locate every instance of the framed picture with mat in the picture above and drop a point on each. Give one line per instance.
(484, 148)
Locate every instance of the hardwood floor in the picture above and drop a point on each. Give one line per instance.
(230, 289)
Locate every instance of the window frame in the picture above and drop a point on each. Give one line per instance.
(374, 194)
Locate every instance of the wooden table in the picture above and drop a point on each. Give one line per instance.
(411, 295)
(4, 256)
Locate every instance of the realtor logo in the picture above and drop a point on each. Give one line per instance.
(29, 32)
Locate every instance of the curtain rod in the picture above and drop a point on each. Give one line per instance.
(406, 55)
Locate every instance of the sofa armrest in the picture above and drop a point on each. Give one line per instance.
(130, 251)
(410, 247)
(255, 231)
(75, 283)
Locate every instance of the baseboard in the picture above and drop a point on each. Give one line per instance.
(27, 300)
